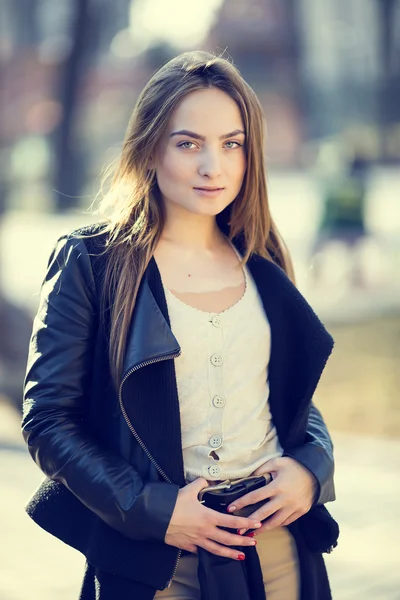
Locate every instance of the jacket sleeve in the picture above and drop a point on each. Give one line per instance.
(56, 389)
(316, 454)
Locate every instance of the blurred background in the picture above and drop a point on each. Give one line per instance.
(328, 76)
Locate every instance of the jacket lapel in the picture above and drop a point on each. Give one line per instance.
(150, 336)
(300, 347)
(149, 391)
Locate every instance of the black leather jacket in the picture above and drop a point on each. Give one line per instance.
(119, 452)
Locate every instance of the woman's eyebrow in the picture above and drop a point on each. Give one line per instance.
(197, 136)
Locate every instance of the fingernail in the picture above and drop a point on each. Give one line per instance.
(253, 543)
(257, 525)
(231, 508)
(250, 534)
(240, 531)
(241, 557)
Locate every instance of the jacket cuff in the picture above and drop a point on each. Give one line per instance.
(315, 459)
(152, 511)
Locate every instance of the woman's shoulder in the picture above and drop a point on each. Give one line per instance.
(94, 235)
(80, 250)
(89, 240)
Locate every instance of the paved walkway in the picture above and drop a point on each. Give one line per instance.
(365, 565)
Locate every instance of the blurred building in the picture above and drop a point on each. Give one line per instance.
(320, 68)
(261, 36)
(70, 78)
(341, 62)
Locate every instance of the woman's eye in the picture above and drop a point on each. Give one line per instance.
(237, 145)
(185, 145)
(230, 145)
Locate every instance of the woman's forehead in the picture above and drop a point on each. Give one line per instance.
(211, 110)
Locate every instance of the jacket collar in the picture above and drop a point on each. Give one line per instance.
(150, 336)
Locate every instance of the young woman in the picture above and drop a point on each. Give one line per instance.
(171, 351)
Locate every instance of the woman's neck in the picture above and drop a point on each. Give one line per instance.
(193, 234)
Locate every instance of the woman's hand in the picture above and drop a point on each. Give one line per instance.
(289, 496)
(193, 525)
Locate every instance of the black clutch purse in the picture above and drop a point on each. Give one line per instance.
(220, 496)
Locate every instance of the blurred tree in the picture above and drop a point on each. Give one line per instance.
(69, 173)
(23, 13)
(389, 104)
(18, 36)
(299, 88)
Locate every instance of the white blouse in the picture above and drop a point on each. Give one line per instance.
(222, 380)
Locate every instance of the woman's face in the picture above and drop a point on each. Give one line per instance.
(201, 160)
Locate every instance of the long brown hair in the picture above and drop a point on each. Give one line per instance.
(134, 205)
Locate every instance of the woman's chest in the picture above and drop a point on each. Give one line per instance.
(209, 282)
(230, 345)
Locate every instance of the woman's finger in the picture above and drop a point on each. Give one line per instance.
(276, 520)
(267, 509)
(219, 550)
(233, 522)
(264, 493)
(230, 539)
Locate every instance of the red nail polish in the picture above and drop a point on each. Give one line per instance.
(241, 557)
(250, 534)
(238, 531)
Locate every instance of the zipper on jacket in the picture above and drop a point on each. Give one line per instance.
(169, 582)
(140, 441)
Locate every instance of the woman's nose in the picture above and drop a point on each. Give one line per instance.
(210, 165)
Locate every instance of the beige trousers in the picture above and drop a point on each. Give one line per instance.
(279, 563)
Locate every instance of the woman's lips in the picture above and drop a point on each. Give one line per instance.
(209, 193)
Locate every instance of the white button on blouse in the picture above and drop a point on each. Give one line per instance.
(215, 441)
(217, 360)
(219, 401)
(216, 320)
(214, 471)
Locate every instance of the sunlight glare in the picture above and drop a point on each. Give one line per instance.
(178, 22)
